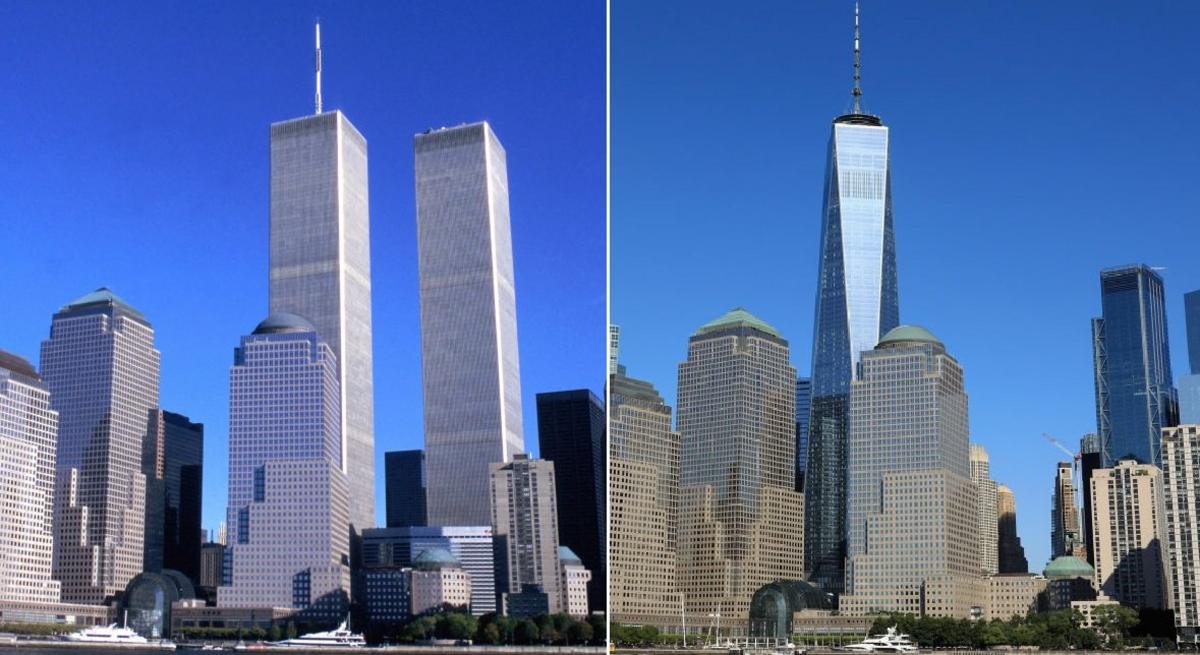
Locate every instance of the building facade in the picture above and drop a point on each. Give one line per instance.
(803, 409)
(472, 547)
(438, 580)
(1011, 552)
(212, 567)
(575, 577)
(1189, 385)
(1135, 396)
(525, 521)
(471, 370)
(1064, 515)
(173, 463)
(1013, 595)
(987, 515)
(404, 474)
(101, 369)
(288, 513)
(1181, 519)
(739, 511)
(1090, 459)
(28, 444)
(1127, 531)
(320, 268)
(571, 433)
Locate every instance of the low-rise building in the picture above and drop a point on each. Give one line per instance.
(575, 582)
(438, 579)
(1013, 594)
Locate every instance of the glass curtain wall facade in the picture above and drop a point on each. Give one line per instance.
(404, 474)
(471, 370)
(1135, 396)
(173, 463)
(857, 303)
(803, 407)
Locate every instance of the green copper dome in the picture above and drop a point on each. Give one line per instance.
(909, 334)
(1068, 567)
(736, 317)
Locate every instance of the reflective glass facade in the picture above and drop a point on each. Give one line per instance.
(857, 303)
(404, 474)
(1135, 397)
(471, 371)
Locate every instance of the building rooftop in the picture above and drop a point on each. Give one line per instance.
(17, 364)
(568, 556)
(434, 558)
(738, 316)
(907, 334)
(1066, 566)
(99, 298)
(282, 322)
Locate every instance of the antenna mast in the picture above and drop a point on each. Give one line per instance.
(317, 66)
(857, 92)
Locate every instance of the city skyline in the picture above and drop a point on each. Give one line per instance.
(998, 224)
(201, 170)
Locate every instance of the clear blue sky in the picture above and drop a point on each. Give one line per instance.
(1032, 144)
(134, 154)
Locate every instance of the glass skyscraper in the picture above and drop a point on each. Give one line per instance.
(471, 370)
(173, 463)
(404, 480)
(1135, 397)
(803, 407)
(1189, 385)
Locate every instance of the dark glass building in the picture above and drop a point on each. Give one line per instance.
(803, 406)
(405, 479)
(173, 462)
(1189, 385)
(1135, 396)
(1089, 461)
(571, 434)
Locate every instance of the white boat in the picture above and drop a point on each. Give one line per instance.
(108, 635)
(339, 638)
(890, 642)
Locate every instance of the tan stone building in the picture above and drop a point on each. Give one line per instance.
(1013, 594)
(987, 517)
(1128, 532)
(1181, 495)
(438, 579)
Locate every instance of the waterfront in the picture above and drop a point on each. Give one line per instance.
(55, 648)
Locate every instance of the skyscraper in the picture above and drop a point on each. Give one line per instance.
(644, 502)
(1012, 554)
(288, 513)
(1089, 461)
(1064, 515)
(1135, 398)
(173, 463)
(987, 518)
(571, 433)
(28, 431)
(525, 520)
(803, 407)
(614, 345)
(101, 369)
(471, 370)
(321, 267)
(1128, 530)
(404, 475)
(1189, 385)
(857, 303)
(739, 511)
(1181, 495)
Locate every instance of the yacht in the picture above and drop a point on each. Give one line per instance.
(108, 635)
(339, 638)
(890, 642)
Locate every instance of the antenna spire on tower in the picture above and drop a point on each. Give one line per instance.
(857, 92)
(317, 66)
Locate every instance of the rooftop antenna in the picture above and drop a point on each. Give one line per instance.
(317, 66)
(857, 92)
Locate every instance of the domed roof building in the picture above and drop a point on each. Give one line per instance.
(1067, 566)
(1067, 579)
(773, 605)
(284, 322)
(433, 559)
(907, 335)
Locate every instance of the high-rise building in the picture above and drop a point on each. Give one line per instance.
(404, 474)
(1127, 531)
(101, 369)
(173, 463)
(1089, 460)
(1189, 385)
(986, 513)
(1064, 515)
(471, 371)
(643, 502)
(525, 521)
(28, 432)
(571, 434)
(212, 566)
(803, 407)
(614, 344)
(1135, 398)
(1011, 553)
(471, 546)
(288, 514)
(1181, 519)
(857, 303)
(321, 270)
(739, 511)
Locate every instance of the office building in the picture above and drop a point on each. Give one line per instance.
(1189, 385)
(471, 370)
(173, 463)
(288, 513)
(1064, 516)
(643, 502)
(320, 268)
(986, 514)
(1181, 520)
(525, 521)
(212, 567)
(1090, 459)
(471, 546)
(803, 408)
(404, 473)
(388, 597)
(438, 579)
(571, 433)
(575, 577)
(28, 435)
(1013, 595)
(740, 514)
(614, 343)
(101, 369)
(1127, 531)
(857, 303)
(1011, 553)
(1135, 398)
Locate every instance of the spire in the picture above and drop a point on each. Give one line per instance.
(317, 66)
(857, 92)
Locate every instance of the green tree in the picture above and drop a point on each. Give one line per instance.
(291, 630)
(275, 634)
(526, 633)
(580, 632)
(1115, 622)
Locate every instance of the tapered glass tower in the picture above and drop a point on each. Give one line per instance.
(857, 303)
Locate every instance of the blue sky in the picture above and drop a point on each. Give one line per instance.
(1032, 144)
(134, 141)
